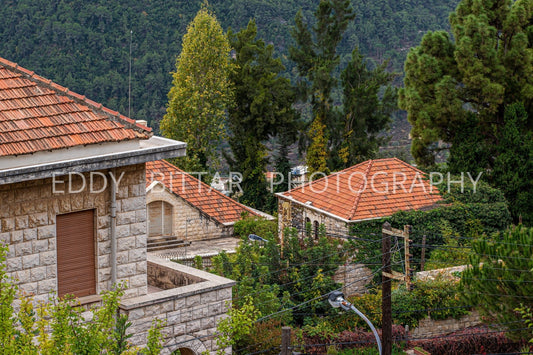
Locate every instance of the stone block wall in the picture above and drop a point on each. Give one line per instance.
(430, 328)
(27, 223)
(189, 223)
(354, 278)
(190, 313)
(299, 213)
(165, 278)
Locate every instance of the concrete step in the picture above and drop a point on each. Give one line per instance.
(165, 242)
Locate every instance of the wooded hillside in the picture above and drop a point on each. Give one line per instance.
(84, 45)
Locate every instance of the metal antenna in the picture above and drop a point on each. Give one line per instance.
(129, 81)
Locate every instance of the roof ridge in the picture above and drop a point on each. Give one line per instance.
(360, 191)
(208, 186)
(112, 115)
(303, 186)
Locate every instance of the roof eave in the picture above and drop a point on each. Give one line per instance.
(155, 148)
(311, 207)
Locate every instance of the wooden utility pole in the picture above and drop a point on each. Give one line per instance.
(285, 340)
(386, 305)
(423, 256)
(408, 255)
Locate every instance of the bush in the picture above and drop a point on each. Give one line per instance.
(356, 339)
(60, 326)
(256, 225)
(479, 340)
(436, 299)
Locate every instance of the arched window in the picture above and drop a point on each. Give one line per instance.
(315, 228)
(307, 227)
(159, 219)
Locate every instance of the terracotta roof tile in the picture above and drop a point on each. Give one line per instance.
(200, 195)
(372, 189)
(39, 115)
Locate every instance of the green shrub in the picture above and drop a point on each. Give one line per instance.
(61, 328)
(256, 225)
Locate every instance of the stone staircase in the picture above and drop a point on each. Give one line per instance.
(165, 242)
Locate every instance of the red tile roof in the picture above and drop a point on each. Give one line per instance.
(39, 115)
(372, 189)
(198, 194)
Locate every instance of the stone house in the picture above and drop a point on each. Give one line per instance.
(370, 190)
(182, 206)
(73, 211)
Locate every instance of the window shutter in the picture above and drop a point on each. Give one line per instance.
(76, 267)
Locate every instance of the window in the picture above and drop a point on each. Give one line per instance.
(159, 219)
(307, 227)
(315, 228)
(76, 267)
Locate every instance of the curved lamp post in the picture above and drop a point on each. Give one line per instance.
(336, 299)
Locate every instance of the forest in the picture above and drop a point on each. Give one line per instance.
(85, 45)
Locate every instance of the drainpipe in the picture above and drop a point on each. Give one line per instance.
(112, 227)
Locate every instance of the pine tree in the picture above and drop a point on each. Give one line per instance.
(263, 109)
(458, 92)
(513, 167)
(500, 278)
(488, 67)
(201, 92)
(369, 101)
(316, 58)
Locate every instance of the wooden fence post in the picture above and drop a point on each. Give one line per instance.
(285, 340)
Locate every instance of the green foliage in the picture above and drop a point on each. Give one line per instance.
(454, 250)
(438, 299)
(476, 93)
(317, 59)
(276, 283)
(489, 66)
(237, 326)
(201, 92)
(322, 330)
(369, 101)
(198, 262)
(370, 351)
(500, 278)
(84, 45)
(317, 153)
(464, 215)
(527, 315)
(368, 303)
(60, 325)
(253, 225)
(513, 167)
(263, 109)
(155, 338)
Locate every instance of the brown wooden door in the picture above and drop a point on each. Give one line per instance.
(76, 269)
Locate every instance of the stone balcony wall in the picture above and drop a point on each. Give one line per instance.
(190, 308)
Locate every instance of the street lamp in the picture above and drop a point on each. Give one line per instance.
(256, 238)
(336, 299)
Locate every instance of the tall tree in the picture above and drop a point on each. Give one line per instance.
(369, 101)
(513, 167)
(263, 109)
(458, 92)
(316, 58)
(201, 92)
(500, 278)
(467, 83)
